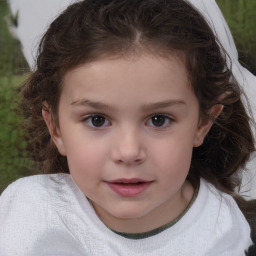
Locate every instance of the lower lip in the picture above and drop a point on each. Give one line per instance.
(129, 190)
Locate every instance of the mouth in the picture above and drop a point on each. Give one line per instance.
(129, 187)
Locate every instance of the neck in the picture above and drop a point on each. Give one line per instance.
(157, 218)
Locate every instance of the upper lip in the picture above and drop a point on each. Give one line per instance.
(128, 181)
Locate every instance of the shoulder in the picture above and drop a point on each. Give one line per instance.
(30, 188)
(20, 191)
(37, 191)
(223, 218)
(26, 210)
(213, 193)
(220, 203)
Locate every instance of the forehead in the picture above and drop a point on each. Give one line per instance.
(146, 76)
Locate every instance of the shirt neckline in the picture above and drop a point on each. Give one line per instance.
(136, 236)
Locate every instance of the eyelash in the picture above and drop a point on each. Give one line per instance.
(89, 120)
(166, 117)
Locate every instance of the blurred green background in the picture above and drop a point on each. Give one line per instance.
(14, 162)
(241, 18)
(13, 69)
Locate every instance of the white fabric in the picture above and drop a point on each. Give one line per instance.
(48, 215)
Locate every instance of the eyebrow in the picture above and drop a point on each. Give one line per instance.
(93, 104)
(146, 107)
(163, 104)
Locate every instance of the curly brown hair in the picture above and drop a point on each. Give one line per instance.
(93, 29)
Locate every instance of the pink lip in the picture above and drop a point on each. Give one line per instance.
(129, 187)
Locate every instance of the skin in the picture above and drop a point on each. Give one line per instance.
(131, 94)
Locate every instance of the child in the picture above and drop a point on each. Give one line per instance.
(138, 126)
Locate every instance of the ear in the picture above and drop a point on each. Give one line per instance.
(53, 129)
(205, 125)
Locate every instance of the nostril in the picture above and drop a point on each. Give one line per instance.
(138, 160)
(128, 150)
(129, 160)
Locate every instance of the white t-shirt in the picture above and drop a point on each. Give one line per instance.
(49, 215)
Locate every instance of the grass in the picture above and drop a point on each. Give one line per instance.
(12, 60)
(13, 157)
(241, 18)
(14, 162)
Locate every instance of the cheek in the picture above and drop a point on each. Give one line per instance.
(174, 155)
(84, 167)
(174, 166)
(85, 158)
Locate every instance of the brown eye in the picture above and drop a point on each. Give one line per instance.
(97, 121)
(159, 121)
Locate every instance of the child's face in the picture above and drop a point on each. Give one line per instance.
(128, 127)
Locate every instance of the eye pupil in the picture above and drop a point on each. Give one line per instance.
(158, 120)
(98, 121)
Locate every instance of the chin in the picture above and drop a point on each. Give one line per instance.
(129, 214)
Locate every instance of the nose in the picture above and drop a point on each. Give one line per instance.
(129, 148)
